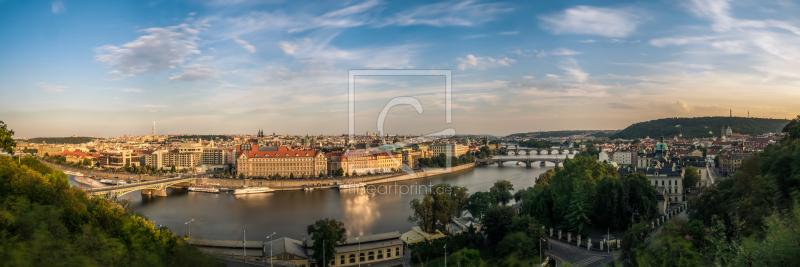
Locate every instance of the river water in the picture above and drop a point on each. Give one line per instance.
(288, 213)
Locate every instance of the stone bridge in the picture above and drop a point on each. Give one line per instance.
(528, 161)
(152, 187)
(548, 151)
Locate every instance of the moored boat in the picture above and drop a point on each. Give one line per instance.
(252, 190)
(203, 188)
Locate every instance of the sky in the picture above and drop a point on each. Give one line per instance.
(109, 68)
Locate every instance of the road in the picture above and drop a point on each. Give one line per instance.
(577, 256)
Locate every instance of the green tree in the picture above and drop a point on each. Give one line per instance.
(502, 191)
(479, 202)
(7, 143)
(669, 248)
(632, 243)
(691, 177)
(518, 242)
(423, 213)
(327, 233)
(609, 207)
(578, 217)
(497, 220)
(466, 258)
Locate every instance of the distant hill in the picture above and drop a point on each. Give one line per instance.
(700, 127)
(549, 134)
(59, 140)
(204, 137)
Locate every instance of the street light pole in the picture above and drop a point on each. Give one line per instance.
(270, 248)
(445, 255)
(190, 228)
(540, 248)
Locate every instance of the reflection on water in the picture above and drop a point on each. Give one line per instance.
(224, 216)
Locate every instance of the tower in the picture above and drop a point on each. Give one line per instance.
(154, 128)
(731, 113)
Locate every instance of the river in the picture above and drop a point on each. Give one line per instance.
(288, 213)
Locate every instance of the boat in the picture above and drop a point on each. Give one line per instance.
(352, 185)
(203, 188)
(108, 181)
(252, 190)
(307, 188)
(88, 181)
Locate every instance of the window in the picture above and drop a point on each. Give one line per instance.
(352, 258)
(380, 255)
(397, 251)
(371, 255)
(341, 259)
(388, 252)
(361, 257)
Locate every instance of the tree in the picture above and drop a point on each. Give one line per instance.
(172, 170)
(502, 191)
(609, 206)
(340, 172)
(578, 217)
(423, 213)
(639, 196)
(497, 220)
(478, 203)
(466, 258)
(517, 242)
(327, 233)
(690, 177)
(669, 248)
(7, 143)
(632, 242)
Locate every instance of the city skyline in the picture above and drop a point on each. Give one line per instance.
(227, 67)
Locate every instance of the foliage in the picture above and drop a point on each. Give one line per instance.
(700, 126)
(669, 248)
(578, 218)
(502, 191)
(497, 220)
(632, 243)
(440, 161)
(425, 251)
(466, 258)
(7, 143)
(690, 177)
(45, 222)
(517, 242)
(327, 233)
(61, 140)
(438, 206)
(478, 203)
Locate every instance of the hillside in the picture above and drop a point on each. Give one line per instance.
(700, 127)
(59, 140)
(567, 133)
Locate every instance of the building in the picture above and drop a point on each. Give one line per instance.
(118, 159)
(385, 249)
(252, 162)
(353, 161)
(454, 150)
(462, 225)
(730, 162)
(668, 177)
(285, 252)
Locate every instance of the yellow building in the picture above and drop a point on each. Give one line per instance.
(454, 150)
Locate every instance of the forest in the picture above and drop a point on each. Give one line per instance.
(45, 222)
(700, 127)
(58, 140)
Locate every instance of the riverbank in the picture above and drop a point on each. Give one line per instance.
(298, 184)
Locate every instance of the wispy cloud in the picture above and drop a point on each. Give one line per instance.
(132, 90)
(464, 13)
(57, 7)
(247, 46)
(572, 68)
(590, 20)
(481, 63)
(509, 33)
(51, 88)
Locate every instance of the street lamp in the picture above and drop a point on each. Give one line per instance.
(445, 255)
(270, 248)
(190, 228)
(540, 247)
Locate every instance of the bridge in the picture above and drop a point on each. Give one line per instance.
(527, 160)
(549, 151)
(152, 187)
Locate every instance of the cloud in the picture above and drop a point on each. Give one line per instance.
(571, 66)
(196, 74)
(154, 106)
(622, 106)
(481, 63)
(51, 88)
(680, 106)
(161, 49)
(475, 36)
(553, 76)
(287, 47)
(132, 90)
(509, 33)
(245, 45)
(544, 86)
(564, 52)
(57, 7)
(588, 41)
(592, 21)
(464, 13)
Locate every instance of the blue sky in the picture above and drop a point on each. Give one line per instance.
(108, 68)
